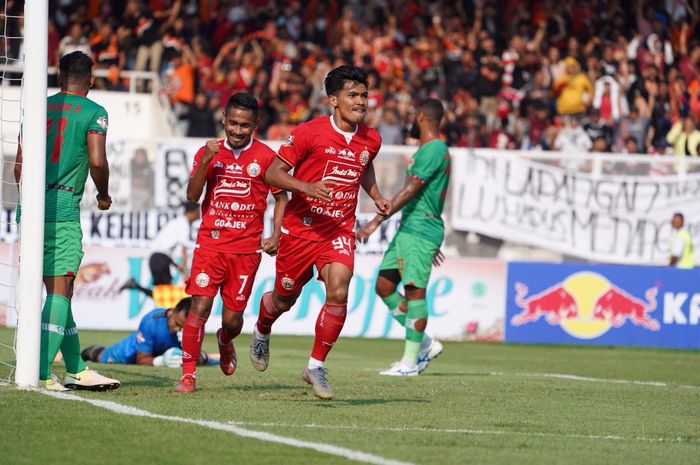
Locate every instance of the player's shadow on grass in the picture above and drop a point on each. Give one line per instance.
(309, 398)
(142, 379)
(261, 387)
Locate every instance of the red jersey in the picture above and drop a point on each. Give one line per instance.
(236, 198)
(318, 150)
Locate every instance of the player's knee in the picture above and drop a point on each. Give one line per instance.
(283, 303)
(200, 309)
(384, 288)
(337, 295)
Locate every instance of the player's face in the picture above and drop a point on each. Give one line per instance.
(239, 124)
(351, 102)
(176, 321)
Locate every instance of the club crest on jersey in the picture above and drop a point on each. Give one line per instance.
(102, 121)
(253, 169)
(287, 283)
(215, 233)
(202, 280)
(364, 157)
(289, 142)
(306, 221)
(232, 187)
(341, 172)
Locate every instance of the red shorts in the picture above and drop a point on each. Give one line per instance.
(297, 257)
(232, 273)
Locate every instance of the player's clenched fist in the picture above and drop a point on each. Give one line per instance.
(104, 202)
(383, 206)
(319, 190)
(210, 149)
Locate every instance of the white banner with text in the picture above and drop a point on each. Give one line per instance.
(604, 217)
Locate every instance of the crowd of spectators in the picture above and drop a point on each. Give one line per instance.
(604, 76)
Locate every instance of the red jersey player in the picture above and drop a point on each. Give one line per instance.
(332, 157)
(227, 254)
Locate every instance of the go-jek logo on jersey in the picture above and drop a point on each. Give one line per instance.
(341, 172)
(585, 305)
(231, 187)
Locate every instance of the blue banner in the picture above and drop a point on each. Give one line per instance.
(603, 305)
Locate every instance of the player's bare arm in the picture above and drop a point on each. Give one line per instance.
(278, 175)
(18, 164)
(195, 186)
(99, 168)
(408, 191)
(269, 244)
(369, 184)
(143, 358)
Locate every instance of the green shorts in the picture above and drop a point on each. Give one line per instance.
(412, 256)
(63, 248)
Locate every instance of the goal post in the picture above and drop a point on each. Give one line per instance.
(32, 192)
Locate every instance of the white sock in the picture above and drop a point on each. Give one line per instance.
(313, 363)
(264, 337)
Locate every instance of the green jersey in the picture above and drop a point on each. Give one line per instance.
(421, 216)
(69, 119)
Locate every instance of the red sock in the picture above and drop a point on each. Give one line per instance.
(226, 335)
(329, 324)
(192, 335)
(268, 314)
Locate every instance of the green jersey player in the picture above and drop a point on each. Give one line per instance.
(411, 254)
(75, 145)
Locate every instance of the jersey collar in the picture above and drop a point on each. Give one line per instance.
(237, 152)
(347, 135)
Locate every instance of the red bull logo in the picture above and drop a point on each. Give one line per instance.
(585, 305)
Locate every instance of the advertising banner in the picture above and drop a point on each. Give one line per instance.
(609, 217)
(603, 305)
(465, 298)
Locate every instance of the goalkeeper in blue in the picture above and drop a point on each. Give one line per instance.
(155, 343)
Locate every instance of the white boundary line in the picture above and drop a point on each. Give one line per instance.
(567, 377)
(462, 431)
(235, 427)
(246, 433)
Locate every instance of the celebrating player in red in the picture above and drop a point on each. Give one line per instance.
(227, 254)
(332, 157)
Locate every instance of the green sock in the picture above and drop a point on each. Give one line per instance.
(393, 301)
(70, 348)
(417, 309)
(53, 326)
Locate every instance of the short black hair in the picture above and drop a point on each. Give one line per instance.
(245, 101)
(184, 305)
(336, 78)
(679, 215)
(432, 108)
(76, 67)
(190, 206)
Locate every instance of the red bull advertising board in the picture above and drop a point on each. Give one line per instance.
(643, 306)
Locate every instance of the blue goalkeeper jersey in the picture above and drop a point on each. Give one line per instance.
(153, 337)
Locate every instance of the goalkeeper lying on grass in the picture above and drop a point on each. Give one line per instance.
(155, 343)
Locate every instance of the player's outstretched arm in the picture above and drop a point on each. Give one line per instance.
(369, 184)
(269, 244)
(408, 191)
(278, 175)
(99, 168)
(195, 186)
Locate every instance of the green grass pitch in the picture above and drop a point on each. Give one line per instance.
(476, 404)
